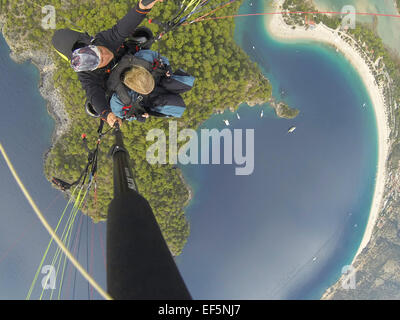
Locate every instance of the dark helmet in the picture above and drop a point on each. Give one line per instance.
(65, 41)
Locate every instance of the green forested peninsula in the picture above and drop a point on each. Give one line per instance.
(224, 75)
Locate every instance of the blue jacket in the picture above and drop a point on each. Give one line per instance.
(167, 87)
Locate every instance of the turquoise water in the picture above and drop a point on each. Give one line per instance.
(255, 237)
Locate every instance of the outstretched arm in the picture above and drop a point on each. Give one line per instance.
(116, 35)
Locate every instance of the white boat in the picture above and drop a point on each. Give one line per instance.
(226, 122)
(254, 47)
(237, 115)
(364, 105)
(314, 259)
(262, 113)
(291, 129)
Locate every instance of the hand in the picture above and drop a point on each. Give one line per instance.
(149, 5)
(145, 115)
(111, 118)
(168, 74)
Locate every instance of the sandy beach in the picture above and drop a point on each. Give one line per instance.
(277, 27)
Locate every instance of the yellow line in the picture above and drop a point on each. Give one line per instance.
(50, 230)
(48, 247)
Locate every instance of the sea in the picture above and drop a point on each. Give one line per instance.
(287, 230)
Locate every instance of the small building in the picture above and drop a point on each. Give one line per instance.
(310, 23)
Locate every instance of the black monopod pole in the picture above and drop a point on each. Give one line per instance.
(139, 263)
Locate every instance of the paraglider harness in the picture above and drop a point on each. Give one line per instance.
(140, 39)
(114, 84)
(143, 38)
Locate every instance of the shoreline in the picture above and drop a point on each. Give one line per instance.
(54, 103)
(278, 29)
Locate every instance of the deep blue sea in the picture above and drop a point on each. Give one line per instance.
(25, 132)
(286, 231)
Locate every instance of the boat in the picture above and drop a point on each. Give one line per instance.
(291, 129)
(314, 259)
(226, 122)
(262, 113)
(364, 105)
(237, 115)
